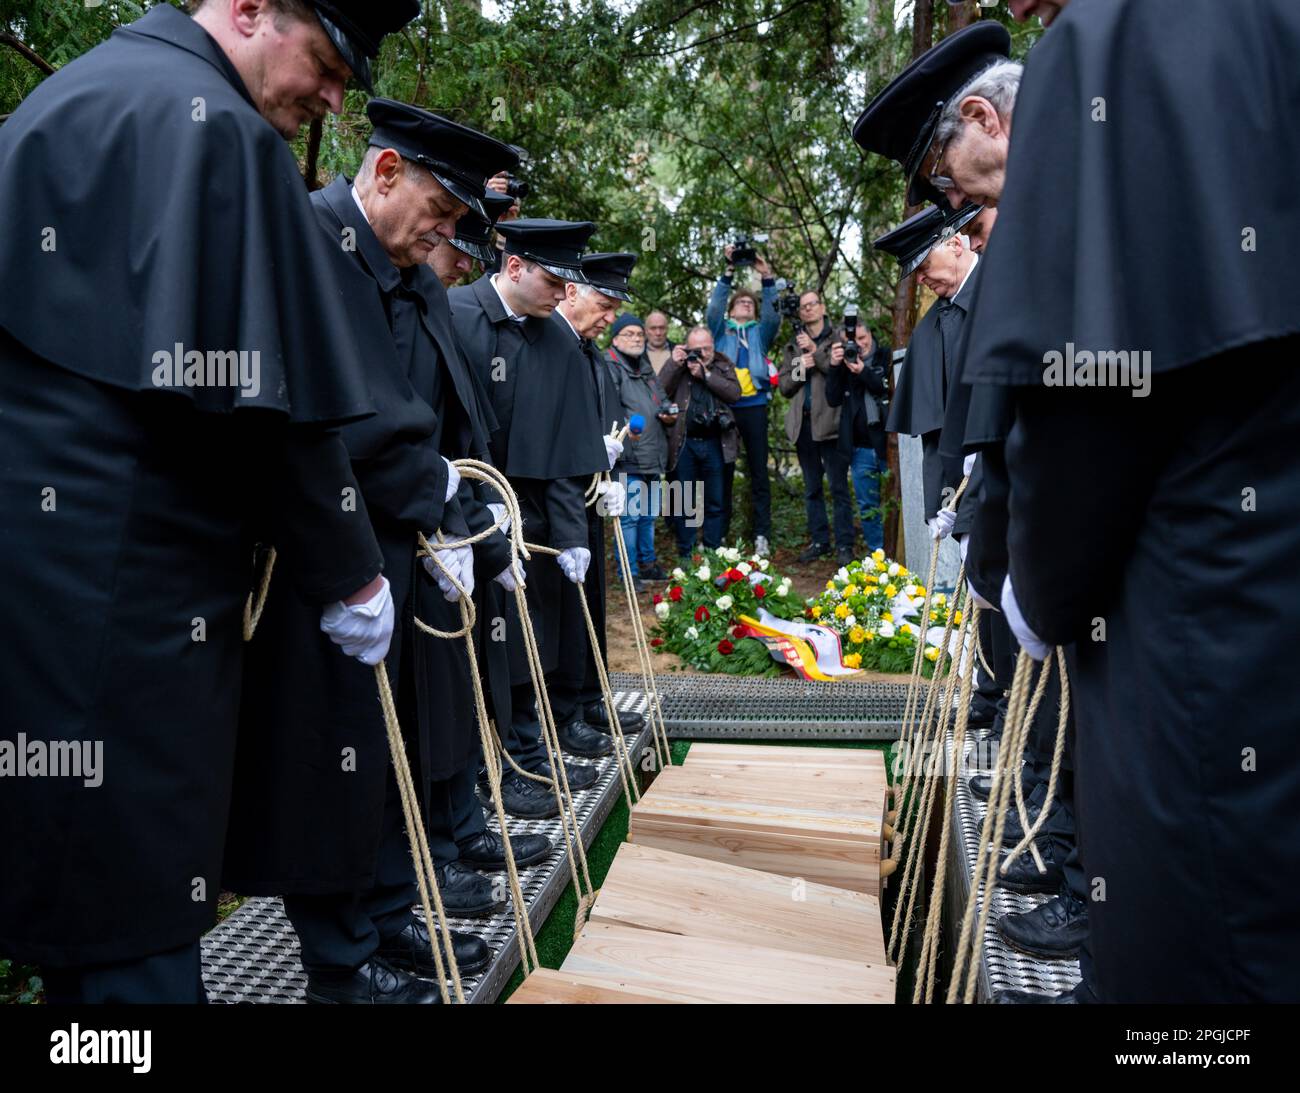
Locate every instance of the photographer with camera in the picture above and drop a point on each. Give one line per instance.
(812, 425)
(516, 189)
(744, 334)
(703, 438)
(856, 383)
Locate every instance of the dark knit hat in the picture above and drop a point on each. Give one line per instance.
(623, 321)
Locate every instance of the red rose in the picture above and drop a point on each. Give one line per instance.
(656, 642)
(697, 558)
(760, 591)
(733, 575)
(658, 598)
(738, 631)
(725, 647)
(701, 614)
(675, 593)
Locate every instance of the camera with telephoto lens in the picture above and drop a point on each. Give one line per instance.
(516, 188)
(694, 356)
(787, 303)
(851, 350)
(743, 251)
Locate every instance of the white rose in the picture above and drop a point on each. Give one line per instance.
(692, 633)
(763, 564)
(783, 589)
(661, 609)
(679, 574)
(745, 568)
(851, 621)
(843, 575)
(909, 590)
(724, 603)
(869, 564)
(893, 569)
(703, 573)
(886, 630)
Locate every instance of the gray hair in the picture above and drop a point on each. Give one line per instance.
(998, 83)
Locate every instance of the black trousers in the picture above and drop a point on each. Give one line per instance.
(575, 683)
(174, 977)
(341, 930)
(820, 459)
(455, 815)
(751, 423)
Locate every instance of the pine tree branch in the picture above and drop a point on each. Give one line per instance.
(19, 46)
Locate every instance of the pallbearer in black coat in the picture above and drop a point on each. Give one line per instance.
(169, 370)
(931, 245)
(316, 815)
(576, 696)
(969, 72)
(548, 441)
(1153, 485)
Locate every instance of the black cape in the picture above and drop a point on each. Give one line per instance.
(1133, 512)
(170, 231)
(1130, 234)
(125, 597)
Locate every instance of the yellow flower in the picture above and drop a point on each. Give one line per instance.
(887, 617)
(853, 660)
(956, 617)
(920, 590)
(857, 635)
(850, 590)
(934, 616)
(879, 555)
(890, 590)
(932, 653)
(869, 580)
(842, 611)
(871, 635)
(817, 612)
(830, 586)
(941, 599)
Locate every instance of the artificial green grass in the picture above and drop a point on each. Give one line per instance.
(555, 938)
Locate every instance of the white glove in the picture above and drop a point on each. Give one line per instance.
(511, 577)
(984, 604)
(500, 516)
(453, 480)
(459, 561)
(1030, 642)
(574, 562)
(941, 526)
(612, 499)
(968, 464)
(613, 449)
(363, 630)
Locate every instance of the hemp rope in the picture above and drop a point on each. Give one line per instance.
(928, 961)
(914, 682)
(425, 875)
(1057, 752)
(929, 745)
(991, 830)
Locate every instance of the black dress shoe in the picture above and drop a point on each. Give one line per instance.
(1013, 832)
(375, 983)
(409, 951)
(522, 797)
(581, 775)
(595, 716)
(488, 851)
(580, 739)
(844, 555)
(466, 894)
(814, 551)
(1053, 931)
(981, 785)
(654, 573)
(1031, 998)
(1024, 877)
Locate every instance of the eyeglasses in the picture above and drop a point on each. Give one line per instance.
(810, 306)
(940, 182)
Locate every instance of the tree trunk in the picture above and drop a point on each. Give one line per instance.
(962, 15)
(310, 174)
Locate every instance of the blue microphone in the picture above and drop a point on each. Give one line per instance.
(636, 424)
